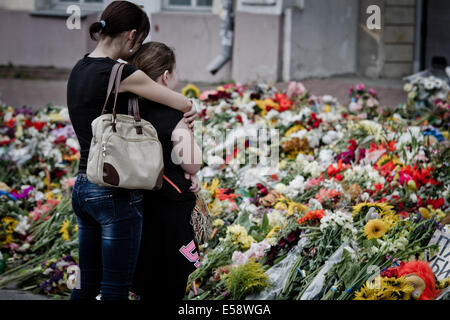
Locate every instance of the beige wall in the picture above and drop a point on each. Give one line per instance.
(196, 39)
(42, 40)
(17, 4)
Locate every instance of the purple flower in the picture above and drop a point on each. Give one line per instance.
(25, 111)
(23, 194)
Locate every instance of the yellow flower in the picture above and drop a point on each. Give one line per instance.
(190, 91)
(327, 108)
(218, 223)
(272, 232)
(382, 208)
(65, 230)
(375, 228)
(49, 195)
(238, 235)
(263, 104)
(293, 129)
(213, 187)
(10, 224)
(295, 206)
(425, 213)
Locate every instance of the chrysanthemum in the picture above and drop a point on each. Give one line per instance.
(375, 228)
(190, 91)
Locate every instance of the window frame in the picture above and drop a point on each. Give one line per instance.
(193, 7)
(62, 5)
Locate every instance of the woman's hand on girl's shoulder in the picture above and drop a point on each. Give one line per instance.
(190, 116)
(196, 185)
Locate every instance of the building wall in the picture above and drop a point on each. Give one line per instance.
(437, 41)
(42, 41)
(388, 52)
(17, 4)
(196, 39)
(256, 47)
(324, 37)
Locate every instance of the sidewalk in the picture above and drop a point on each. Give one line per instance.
(36, 93)
(11, 292)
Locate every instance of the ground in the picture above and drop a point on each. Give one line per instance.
(36, 88)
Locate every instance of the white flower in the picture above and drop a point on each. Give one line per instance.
(413, 197)
(23, 225)
(275, 218)
(314, 204)
(428, 84)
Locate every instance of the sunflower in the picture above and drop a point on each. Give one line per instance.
(382, 208)
(190, 91)
(375, 228)
(398, 288)
(386, 158)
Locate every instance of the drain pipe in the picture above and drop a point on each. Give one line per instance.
(226, 37)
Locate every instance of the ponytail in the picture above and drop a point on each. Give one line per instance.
(120, 16)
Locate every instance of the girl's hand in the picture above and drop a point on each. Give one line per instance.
(196, 186)
(190, 116)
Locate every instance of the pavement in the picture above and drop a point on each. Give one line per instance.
(12, 292)
(38, 92)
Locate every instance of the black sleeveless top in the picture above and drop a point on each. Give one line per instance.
(165, 119)
(86, 94)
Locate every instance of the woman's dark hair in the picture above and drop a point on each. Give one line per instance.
(153, 58)
(120, 16)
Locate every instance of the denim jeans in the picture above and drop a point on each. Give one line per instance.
(109, 231)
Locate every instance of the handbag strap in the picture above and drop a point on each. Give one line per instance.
(111, 82)
(116, 93)
(133, 109)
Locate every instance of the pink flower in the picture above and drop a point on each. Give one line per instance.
(204, 95)
(312, 183)
(372, 92)
(295, 89)
(360, 87)
(238, 258)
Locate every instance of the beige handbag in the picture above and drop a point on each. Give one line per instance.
(125, 151)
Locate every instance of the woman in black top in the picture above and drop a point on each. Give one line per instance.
(110, 219)
(168, 252)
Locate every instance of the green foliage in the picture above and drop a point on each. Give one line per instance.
(246, 279)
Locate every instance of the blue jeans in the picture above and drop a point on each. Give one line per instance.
(109, 234)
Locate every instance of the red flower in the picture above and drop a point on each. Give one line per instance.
(403, 214)
(332, 170)
(38, 125)
(436, 203)
(239, 118)
(378, 187)
(10, 123)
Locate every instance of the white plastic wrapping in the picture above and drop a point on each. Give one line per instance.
(278, 274)
(316, 285)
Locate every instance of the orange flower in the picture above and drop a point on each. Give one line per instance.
(312, 216)
(224, 194)
(333, 170)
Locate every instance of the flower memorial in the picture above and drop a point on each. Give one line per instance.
(347, 211)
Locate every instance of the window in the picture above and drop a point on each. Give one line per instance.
(84, 4)
(188, 4)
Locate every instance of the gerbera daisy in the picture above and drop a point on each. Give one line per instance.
(375, 228)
